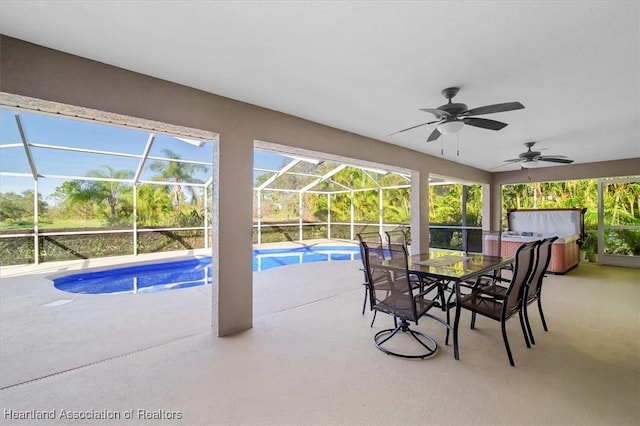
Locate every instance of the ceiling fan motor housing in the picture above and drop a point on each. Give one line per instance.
(454, 108)
(530, 155)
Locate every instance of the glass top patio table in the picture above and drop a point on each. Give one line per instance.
(455, 265)
(452, 267)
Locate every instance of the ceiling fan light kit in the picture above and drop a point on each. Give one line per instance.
(452, 126)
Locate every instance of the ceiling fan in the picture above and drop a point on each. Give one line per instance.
(530, 158)
(451, 117)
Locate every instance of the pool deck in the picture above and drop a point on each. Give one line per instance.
(37, 319)
(309, 358)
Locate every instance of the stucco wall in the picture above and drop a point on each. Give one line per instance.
(35, 71)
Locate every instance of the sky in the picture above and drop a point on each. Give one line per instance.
(72, 133)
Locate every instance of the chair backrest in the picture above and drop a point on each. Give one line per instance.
(473, 241)
(374, 243)
(389, 287)
(523, 262)
(397, 251)
(395, 239)
(372, 255)
(543, 256)
(398, 236)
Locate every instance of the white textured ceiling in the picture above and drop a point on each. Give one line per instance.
(367, 67)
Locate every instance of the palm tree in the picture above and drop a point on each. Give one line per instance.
(178, 172)
(110, 191)
(153, 203)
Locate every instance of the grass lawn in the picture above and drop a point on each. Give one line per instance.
(60, 224)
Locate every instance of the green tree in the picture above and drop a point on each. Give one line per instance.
(445, 204)
(20, 206)
(397, 205)
(178, 172)
(366, 203)
(69, 205)
(546, 195)
(152, 205)
(109, 192)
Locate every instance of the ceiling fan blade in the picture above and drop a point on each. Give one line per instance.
(434, 135)
(555, 159)
(513, 160)
(484, 123)
(551, 156)
(439, 113)
(491, 109)
(409, 128)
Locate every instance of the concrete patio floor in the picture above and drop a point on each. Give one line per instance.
(310, 358)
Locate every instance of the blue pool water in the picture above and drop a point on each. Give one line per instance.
(271, 258)
(192, 272)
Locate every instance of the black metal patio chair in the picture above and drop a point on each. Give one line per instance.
(506, 306)
(376, 251)
(392, 293)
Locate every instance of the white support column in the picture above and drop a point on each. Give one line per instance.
(380, 212)
(300, 234)
(205, 208)
(419, 212)
(232, 217)
(136, 178)
(259, 213)
(352, 214)
(328, 215)
(135, 218)
(601, 224)
(36, 236)
(491, 207)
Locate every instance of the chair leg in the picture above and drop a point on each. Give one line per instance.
(442, 298)
(528, 324)
(506, 343)
(544, 323)
(420, 283)
(446, 339)
(456, 322)
(451, 296)
(364, 305)
(374, 318)
(524, 325)
(472, 325)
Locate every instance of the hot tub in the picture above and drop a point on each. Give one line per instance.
(527, 225)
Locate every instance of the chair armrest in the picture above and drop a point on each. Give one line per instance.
(428, 290)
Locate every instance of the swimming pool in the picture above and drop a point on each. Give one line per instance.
(271, 258)
(171, 275)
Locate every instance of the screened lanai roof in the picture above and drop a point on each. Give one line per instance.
(40, 139)
(57, 148)
(282, 172)
(51, 149)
